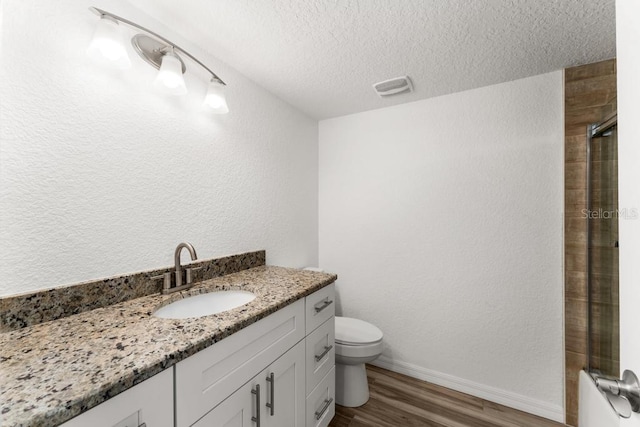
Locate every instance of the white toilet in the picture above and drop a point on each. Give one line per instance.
(357, 342)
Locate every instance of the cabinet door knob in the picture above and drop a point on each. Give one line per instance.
(256, 392)
(272, 383)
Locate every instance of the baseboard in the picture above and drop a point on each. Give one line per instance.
(502, 397)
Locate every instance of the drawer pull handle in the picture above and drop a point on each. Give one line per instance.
(327, 349)
(256, 391)
(272, 382)
(143, 425)
(322, 305)
(321, 412)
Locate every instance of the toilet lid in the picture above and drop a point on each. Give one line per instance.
(356, 332)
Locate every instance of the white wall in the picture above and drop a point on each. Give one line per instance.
(100, 175)
(627, 42)
(443, 221)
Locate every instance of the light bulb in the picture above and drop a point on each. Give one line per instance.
(107, 44)
(169, 79)
(215, 100)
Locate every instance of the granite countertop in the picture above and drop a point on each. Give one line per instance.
(55, 370)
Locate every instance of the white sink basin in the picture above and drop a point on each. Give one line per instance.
(204, 304)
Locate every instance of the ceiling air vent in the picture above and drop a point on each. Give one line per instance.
(393, 86)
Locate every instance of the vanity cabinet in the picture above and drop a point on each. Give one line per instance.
(277, 372)
(150, 403)
(212, 375)
(230, 383)
(273, 398)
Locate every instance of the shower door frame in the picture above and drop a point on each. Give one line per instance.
(595, 130)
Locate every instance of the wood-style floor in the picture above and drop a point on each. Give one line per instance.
(400, 401)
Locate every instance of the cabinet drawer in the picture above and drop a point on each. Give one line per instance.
(321, 404)
(149, 402)
(320, 306)
(208, 377)
(320, 353)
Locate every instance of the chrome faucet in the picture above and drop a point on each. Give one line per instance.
(176, 258)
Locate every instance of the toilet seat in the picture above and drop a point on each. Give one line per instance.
(356, 332)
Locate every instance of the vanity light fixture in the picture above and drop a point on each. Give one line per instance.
(169, 77)
(215, 99)
(107, 46)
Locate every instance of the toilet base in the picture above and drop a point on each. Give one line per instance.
(352, 387)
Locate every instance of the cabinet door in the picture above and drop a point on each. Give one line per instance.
(149, 402)
(284, 390)
(238, 410)
(208, 377)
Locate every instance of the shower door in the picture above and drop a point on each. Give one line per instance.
(602, 248)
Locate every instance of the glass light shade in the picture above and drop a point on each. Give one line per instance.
(215, 100)
(107, 45)
(169, 79)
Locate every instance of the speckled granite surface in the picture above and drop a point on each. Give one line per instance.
(19, 311)
(53, 371)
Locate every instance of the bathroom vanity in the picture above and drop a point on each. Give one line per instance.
(267, 363)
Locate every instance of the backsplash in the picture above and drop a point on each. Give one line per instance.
(20, 311)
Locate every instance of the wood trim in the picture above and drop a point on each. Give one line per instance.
(590, 96)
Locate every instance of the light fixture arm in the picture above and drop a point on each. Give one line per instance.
(104, 13)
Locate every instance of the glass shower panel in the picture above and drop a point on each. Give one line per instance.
(604, 345)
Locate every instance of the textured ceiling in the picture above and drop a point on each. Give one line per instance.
(322, 56)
